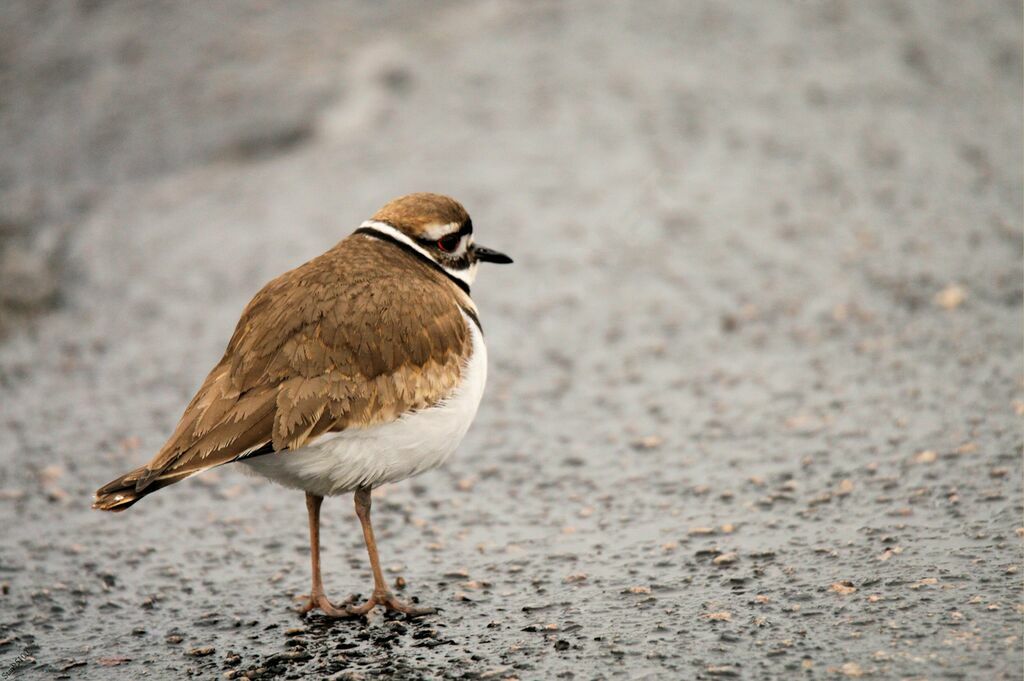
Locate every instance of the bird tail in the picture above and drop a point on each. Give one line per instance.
(123, 492)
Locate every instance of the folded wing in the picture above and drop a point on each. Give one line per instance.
(338, 343)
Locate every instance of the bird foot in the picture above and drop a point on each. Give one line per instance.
(348, 608)
(320, 602)
(388, 600)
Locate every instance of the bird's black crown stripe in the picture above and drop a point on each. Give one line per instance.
(370, 231)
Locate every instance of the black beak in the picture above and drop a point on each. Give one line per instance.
(488, 255)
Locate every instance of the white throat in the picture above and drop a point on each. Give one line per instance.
(467, 275)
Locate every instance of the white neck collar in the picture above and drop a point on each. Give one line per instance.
(467, 275)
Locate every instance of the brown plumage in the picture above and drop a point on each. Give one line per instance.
(355, 337)
(377, 341)
(413, 213)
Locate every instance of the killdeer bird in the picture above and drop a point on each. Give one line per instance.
(363, 366)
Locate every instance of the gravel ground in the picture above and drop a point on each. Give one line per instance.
(756, 386)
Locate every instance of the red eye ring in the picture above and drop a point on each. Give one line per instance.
(449, 243)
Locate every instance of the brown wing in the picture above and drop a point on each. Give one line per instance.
(356, 337)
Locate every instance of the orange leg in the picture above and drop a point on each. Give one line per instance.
(381, 594)
(317, 598)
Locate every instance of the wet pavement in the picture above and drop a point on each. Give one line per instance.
(755, 393)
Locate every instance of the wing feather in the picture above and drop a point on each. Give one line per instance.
(354, 338)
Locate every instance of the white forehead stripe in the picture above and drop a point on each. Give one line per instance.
(436, 231)
(467, 275)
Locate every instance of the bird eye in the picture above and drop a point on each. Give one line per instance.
(449, 243)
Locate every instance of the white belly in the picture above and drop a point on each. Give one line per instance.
(369, 457)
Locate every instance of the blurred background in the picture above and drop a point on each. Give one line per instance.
(756, 377)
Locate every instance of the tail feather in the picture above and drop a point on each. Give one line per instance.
(123, 492)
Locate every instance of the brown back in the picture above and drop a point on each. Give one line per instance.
(356, 337)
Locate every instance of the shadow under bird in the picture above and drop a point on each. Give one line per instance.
(364, 366)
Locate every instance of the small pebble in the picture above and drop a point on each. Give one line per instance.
(726, 559)
(951, 297)
(648, 442)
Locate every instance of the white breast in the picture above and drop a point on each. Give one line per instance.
(369, 457)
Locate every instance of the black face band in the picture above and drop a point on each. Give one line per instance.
(376, 234)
